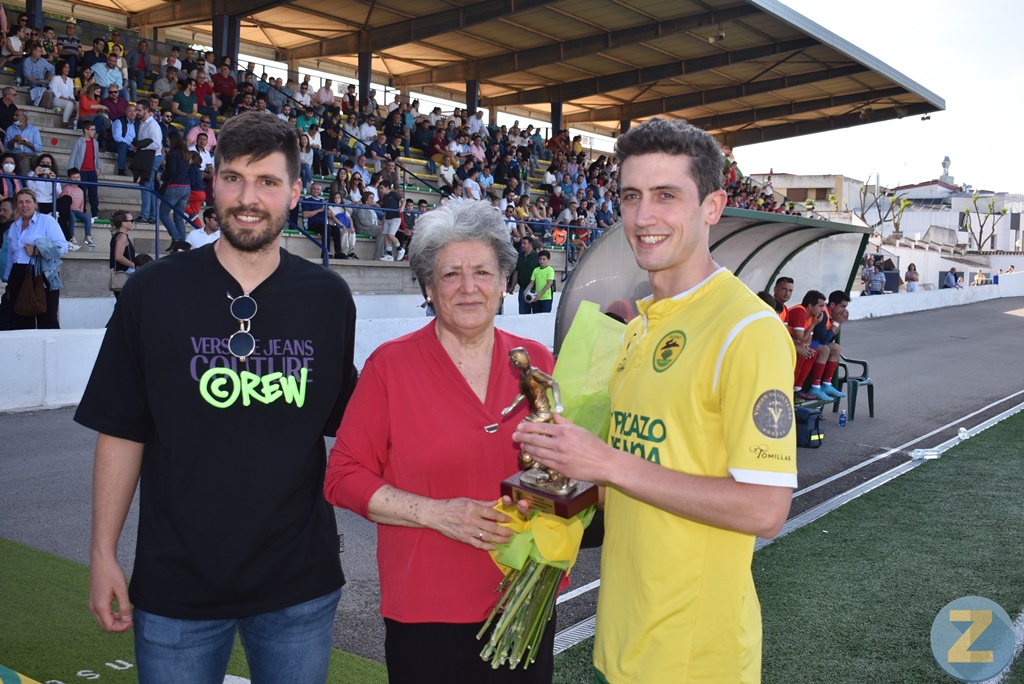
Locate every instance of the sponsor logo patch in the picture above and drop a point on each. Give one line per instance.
(773, 414)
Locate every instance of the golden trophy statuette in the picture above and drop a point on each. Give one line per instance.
(545, 488)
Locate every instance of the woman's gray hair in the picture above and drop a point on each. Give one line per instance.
(459, 222)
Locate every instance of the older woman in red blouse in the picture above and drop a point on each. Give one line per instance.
(423, 449)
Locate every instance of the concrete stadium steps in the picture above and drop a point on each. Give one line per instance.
(85, 273)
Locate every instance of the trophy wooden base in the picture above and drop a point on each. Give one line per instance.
(582, 495)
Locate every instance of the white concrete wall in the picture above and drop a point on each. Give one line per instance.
(51, 367)
(94, 312)
(46, 367)
(907, 302)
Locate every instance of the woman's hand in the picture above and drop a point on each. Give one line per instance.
(471, 522)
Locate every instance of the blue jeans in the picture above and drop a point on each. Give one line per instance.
(85, 218)
(306, 174)
(288, 645)
(92, 192)
(148, 209)
(122, 155)
(175, 197)
(542, 306)
(189, 122)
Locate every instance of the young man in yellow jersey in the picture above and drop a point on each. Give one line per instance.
(701, 455)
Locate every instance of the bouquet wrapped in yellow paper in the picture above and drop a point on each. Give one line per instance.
(544, 546)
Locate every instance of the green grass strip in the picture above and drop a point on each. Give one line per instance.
(48, 633)
(852, 596)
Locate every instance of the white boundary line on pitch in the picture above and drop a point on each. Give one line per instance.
(1018, 646)
(902, 447)
(582, 631)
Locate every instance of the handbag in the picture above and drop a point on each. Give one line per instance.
(31, 299)
(117, 280)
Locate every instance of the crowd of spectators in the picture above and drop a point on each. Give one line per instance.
(550, 190)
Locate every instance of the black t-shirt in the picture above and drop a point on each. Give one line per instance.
(232, 517)
(391, 203)
(7, 114)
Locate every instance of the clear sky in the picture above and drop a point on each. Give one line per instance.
(970, 54)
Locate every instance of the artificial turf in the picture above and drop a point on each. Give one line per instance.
(852, 596)
(848, 598)
(47, 632)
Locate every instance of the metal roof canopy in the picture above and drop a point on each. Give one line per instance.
(747, 71)
(754, 245)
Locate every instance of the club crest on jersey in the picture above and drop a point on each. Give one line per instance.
(773, 414)
(668, 350)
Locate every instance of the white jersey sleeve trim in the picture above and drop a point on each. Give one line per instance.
(763, 477)
(732, 336)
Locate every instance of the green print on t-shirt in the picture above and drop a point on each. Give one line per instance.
(222, 387)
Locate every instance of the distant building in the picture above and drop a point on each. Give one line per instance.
(936, 203)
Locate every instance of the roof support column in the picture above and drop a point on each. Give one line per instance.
(624, 125)
(293, 70)
(34, 10)
(472, 98)
(365, 72)
(227, 31)
(556, 117)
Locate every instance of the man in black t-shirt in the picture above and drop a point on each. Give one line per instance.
(523, 274)
(391, 201)
(221, 404)
(8, 108)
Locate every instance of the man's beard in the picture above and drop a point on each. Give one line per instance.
(246, 239)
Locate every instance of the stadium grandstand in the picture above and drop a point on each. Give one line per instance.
(526, 95)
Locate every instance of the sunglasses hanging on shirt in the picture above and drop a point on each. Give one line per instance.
(242, 344)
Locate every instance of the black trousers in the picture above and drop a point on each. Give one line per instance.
(446, 653)
(44, 321)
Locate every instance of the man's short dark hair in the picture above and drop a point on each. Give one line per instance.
(783, 279)
(838, 297)
(211, 212)
(385, 184)
(812, 297)
(771, 301)
(676, 138)
(255, 135)
(117, 219)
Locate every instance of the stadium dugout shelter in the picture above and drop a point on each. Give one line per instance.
(757, 246)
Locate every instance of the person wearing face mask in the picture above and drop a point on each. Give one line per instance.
(23, 141)
(8, 186)
(44, 190)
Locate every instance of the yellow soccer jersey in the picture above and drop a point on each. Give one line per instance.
(702, 386)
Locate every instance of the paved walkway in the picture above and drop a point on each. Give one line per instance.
(930, 369)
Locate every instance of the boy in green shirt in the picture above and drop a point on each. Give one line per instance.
(543, 282)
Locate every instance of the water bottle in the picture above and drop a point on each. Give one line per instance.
(842, 418)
